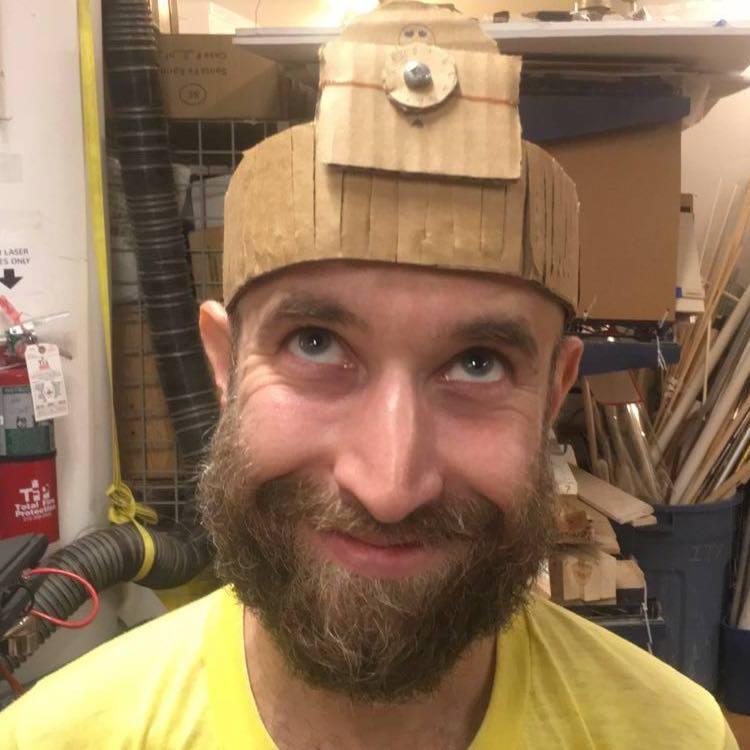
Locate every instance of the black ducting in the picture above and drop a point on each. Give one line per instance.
(140, 136)
(112, 556)
(116, 554)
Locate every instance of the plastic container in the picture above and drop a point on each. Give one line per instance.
(685, 558)
(735, 669)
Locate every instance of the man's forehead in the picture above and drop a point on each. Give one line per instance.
(417, 304)
(373, 286)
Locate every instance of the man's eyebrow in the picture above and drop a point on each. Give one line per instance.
(508, 331)
(309, 307)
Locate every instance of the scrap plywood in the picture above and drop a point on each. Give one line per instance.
(574, 527)
(645, 521)
(617, 505)
(602, 533)
(564, 480)
(629, 575)
(583, 577)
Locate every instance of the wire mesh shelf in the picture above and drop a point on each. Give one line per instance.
(204, 155)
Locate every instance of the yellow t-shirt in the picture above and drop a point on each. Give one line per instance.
(180, 682)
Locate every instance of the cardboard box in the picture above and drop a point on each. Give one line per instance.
(206, 252)
(205, 76)
(629, 188)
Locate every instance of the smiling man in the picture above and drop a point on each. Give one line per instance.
(398, 277)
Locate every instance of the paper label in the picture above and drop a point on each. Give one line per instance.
(47, 383)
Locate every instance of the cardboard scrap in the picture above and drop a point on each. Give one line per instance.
(466, 129)
(608, 499)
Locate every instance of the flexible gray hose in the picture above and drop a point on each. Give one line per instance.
(142, 146)
(112, 556)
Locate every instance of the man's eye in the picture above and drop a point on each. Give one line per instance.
(478, 366)
(318, 345)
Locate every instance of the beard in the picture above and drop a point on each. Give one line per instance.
(373, 640)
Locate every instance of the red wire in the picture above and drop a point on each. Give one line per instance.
(89, 588)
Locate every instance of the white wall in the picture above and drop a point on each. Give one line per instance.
(194, 14)
(716, 157)
(199, 16)
(44, 208)
(716, 151)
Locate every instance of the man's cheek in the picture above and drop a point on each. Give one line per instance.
(495, 461)
(285, 433)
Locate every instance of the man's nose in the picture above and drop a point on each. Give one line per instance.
(386, 456)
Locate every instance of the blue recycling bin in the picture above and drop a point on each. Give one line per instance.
(685, 559)
(735, 669)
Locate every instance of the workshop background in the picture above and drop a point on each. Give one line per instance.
(646, 104)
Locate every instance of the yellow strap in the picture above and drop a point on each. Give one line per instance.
(124, 508)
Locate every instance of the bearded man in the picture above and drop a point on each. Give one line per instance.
(398, 277)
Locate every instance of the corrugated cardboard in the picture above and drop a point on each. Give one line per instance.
(449, 186)
(205, 76)
(526, 228)
(407, 22)
(472, 131)
(629, 188)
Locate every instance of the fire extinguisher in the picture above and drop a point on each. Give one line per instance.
(28, 477)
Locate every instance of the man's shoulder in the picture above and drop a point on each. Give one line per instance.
(175, 635)
(619, 688)
(115, 685)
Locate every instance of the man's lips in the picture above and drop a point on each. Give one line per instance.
(377, 558)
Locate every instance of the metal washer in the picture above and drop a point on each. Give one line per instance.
(432, 80)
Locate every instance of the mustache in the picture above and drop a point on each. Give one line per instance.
(296, 499)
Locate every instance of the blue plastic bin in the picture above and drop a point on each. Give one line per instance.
(735, 668)
(685, 558)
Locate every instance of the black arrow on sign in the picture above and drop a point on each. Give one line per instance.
(9, 278)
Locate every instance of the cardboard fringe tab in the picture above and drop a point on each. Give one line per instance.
(382, 216)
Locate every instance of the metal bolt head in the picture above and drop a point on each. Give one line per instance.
(417, 75)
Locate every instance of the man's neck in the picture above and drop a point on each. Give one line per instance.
(298, 716)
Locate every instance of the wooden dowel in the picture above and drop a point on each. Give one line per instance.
(689, 475)
(684, 403)
(588, 411)
(727, 487)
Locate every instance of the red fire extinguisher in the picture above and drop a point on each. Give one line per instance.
(28, 477)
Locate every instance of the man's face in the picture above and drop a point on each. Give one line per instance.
(377, 490)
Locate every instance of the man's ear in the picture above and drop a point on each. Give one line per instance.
(216, 334)
(566, 373)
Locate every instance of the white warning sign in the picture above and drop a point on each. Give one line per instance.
(47, 382)
(15, 262)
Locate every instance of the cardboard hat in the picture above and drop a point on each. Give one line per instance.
(415, 156)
